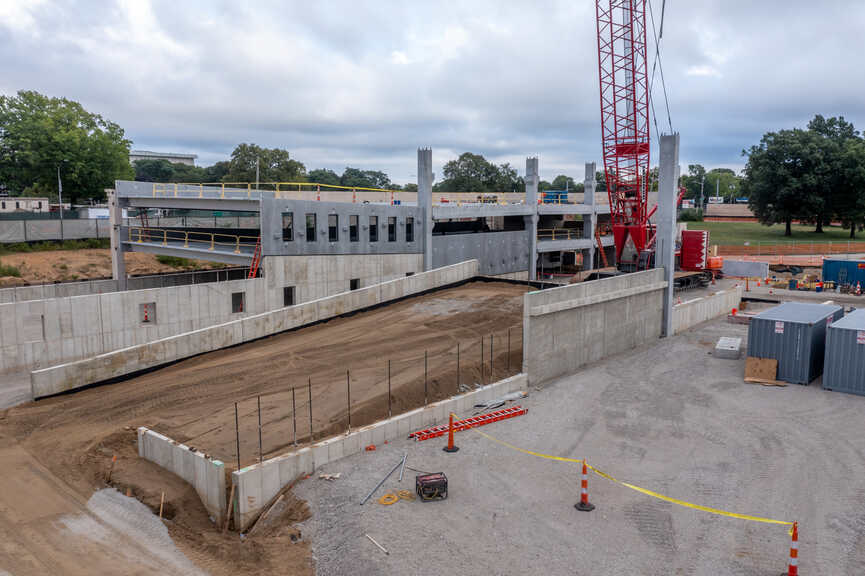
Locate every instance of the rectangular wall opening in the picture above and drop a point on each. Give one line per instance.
(147, 313)
(391, 228)
(287, 226)
(354, 284)
(238, 302)
(288, 296)
(352, 228)
(332, 228)
(373, 228)
(310, 227)
(409, 229)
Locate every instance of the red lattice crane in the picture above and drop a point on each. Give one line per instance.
(624, 83)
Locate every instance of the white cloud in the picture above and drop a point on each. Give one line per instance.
(703, 71)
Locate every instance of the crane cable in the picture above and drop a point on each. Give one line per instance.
(659, 65)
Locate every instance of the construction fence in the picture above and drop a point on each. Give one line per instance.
(328, 402)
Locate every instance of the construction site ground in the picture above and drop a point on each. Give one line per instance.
(56, 515)
(668, 417)
(42, 267)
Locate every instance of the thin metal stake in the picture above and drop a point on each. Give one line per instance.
(482, 360)
(310, 409)
(458, 367)
(388, 390)
(509, 350)
(259, 430)
(294, 415)
(237, 435)
(492, 377)
(425, 378)
(348, 393)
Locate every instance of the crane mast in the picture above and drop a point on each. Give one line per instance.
(622, 71)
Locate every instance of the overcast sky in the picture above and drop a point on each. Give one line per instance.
(364, 84)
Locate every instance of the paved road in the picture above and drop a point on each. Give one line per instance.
(669, 417)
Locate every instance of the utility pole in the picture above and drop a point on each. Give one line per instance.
(256, 172)
(717, 187)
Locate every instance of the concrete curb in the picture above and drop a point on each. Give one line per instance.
(257, 485)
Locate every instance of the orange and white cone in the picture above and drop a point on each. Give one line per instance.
(583, 505)
(793, 566)
(450, 447)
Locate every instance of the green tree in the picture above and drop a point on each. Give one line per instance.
(154, 170)
(833, 134)
(216, 172)
(323, 176)
(724, 182)
(474, 173)
(352, 177)
(693, 180)
(849, 195)
(38, 134)
(410, 187)
(781, 176)
(274, 165)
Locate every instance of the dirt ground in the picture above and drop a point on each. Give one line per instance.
(56, 452)
(71, 265)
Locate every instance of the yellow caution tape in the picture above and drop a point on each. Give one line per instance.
(637, 488)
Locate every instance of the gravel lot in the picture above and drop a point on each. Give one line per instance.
(668, 417)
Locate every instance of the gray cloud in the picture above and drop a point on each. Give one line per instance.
(365, 83)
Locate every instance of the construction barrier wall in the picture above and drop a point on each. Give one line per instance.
(205, 475)
(745, 269)
(693, 312)
(156, 352)
(12, 231)
(256, 486)
(567, 327)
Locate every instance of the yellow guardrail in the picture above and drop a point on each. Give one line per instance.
(163, 236)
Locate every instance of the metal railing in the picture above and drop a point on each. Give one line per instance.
(561, 234)
(281, 190)
(478, 198)
(163, 236)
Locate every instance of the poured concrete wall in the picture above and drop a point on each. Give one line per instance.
(693, 312)
(567, 327)
(81, 320)
(744, 268)
(257, 485)
(41, 333)
(204, 474)
(498, 252)
(128, 360)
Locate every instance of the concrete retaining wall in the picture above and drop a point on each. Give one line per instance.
(744, 268)
(693, 312)
(567, 327)
(72, 375)
(204, 474)
(257, 485)
(41, 333)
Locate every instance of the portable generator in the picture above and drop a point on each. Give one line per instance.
(431, 486)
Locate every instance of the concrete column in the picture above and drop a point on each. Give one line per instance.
(424, 201)
(532, 181)
(590, 221)
(665, 242)
(115, 215)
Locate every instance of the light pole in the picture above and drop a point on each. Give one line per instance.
(702, 181)
(60, 200)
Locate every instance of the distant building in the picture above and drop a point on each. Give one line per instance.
(188, 159)
(23, 204)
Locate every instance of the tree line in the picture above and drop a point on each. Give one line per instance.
(815, 175)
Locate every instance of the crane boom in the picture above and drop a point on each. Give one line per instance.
(622, 71)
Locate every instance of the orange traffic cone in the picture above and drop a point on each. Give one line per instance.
(450, 447)
(793, 566)
(583, 505)
(858, 289)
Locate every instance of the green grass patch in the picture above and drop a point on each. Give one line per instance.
(753, 232)
(86, 244)
(176, 262)
(6, 270)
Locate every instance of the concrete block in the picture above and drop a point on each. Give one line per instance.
(378, 433)
(305, 463)
(287, 466)
(728, 347)
(403, 426)
(415, 420)
(351, 444)
(364, 437)
(335, 448)
(270, 480)
(391, 429)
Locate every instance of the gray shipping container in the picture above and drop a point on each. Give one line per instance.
(794, 334)
(845, 354)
